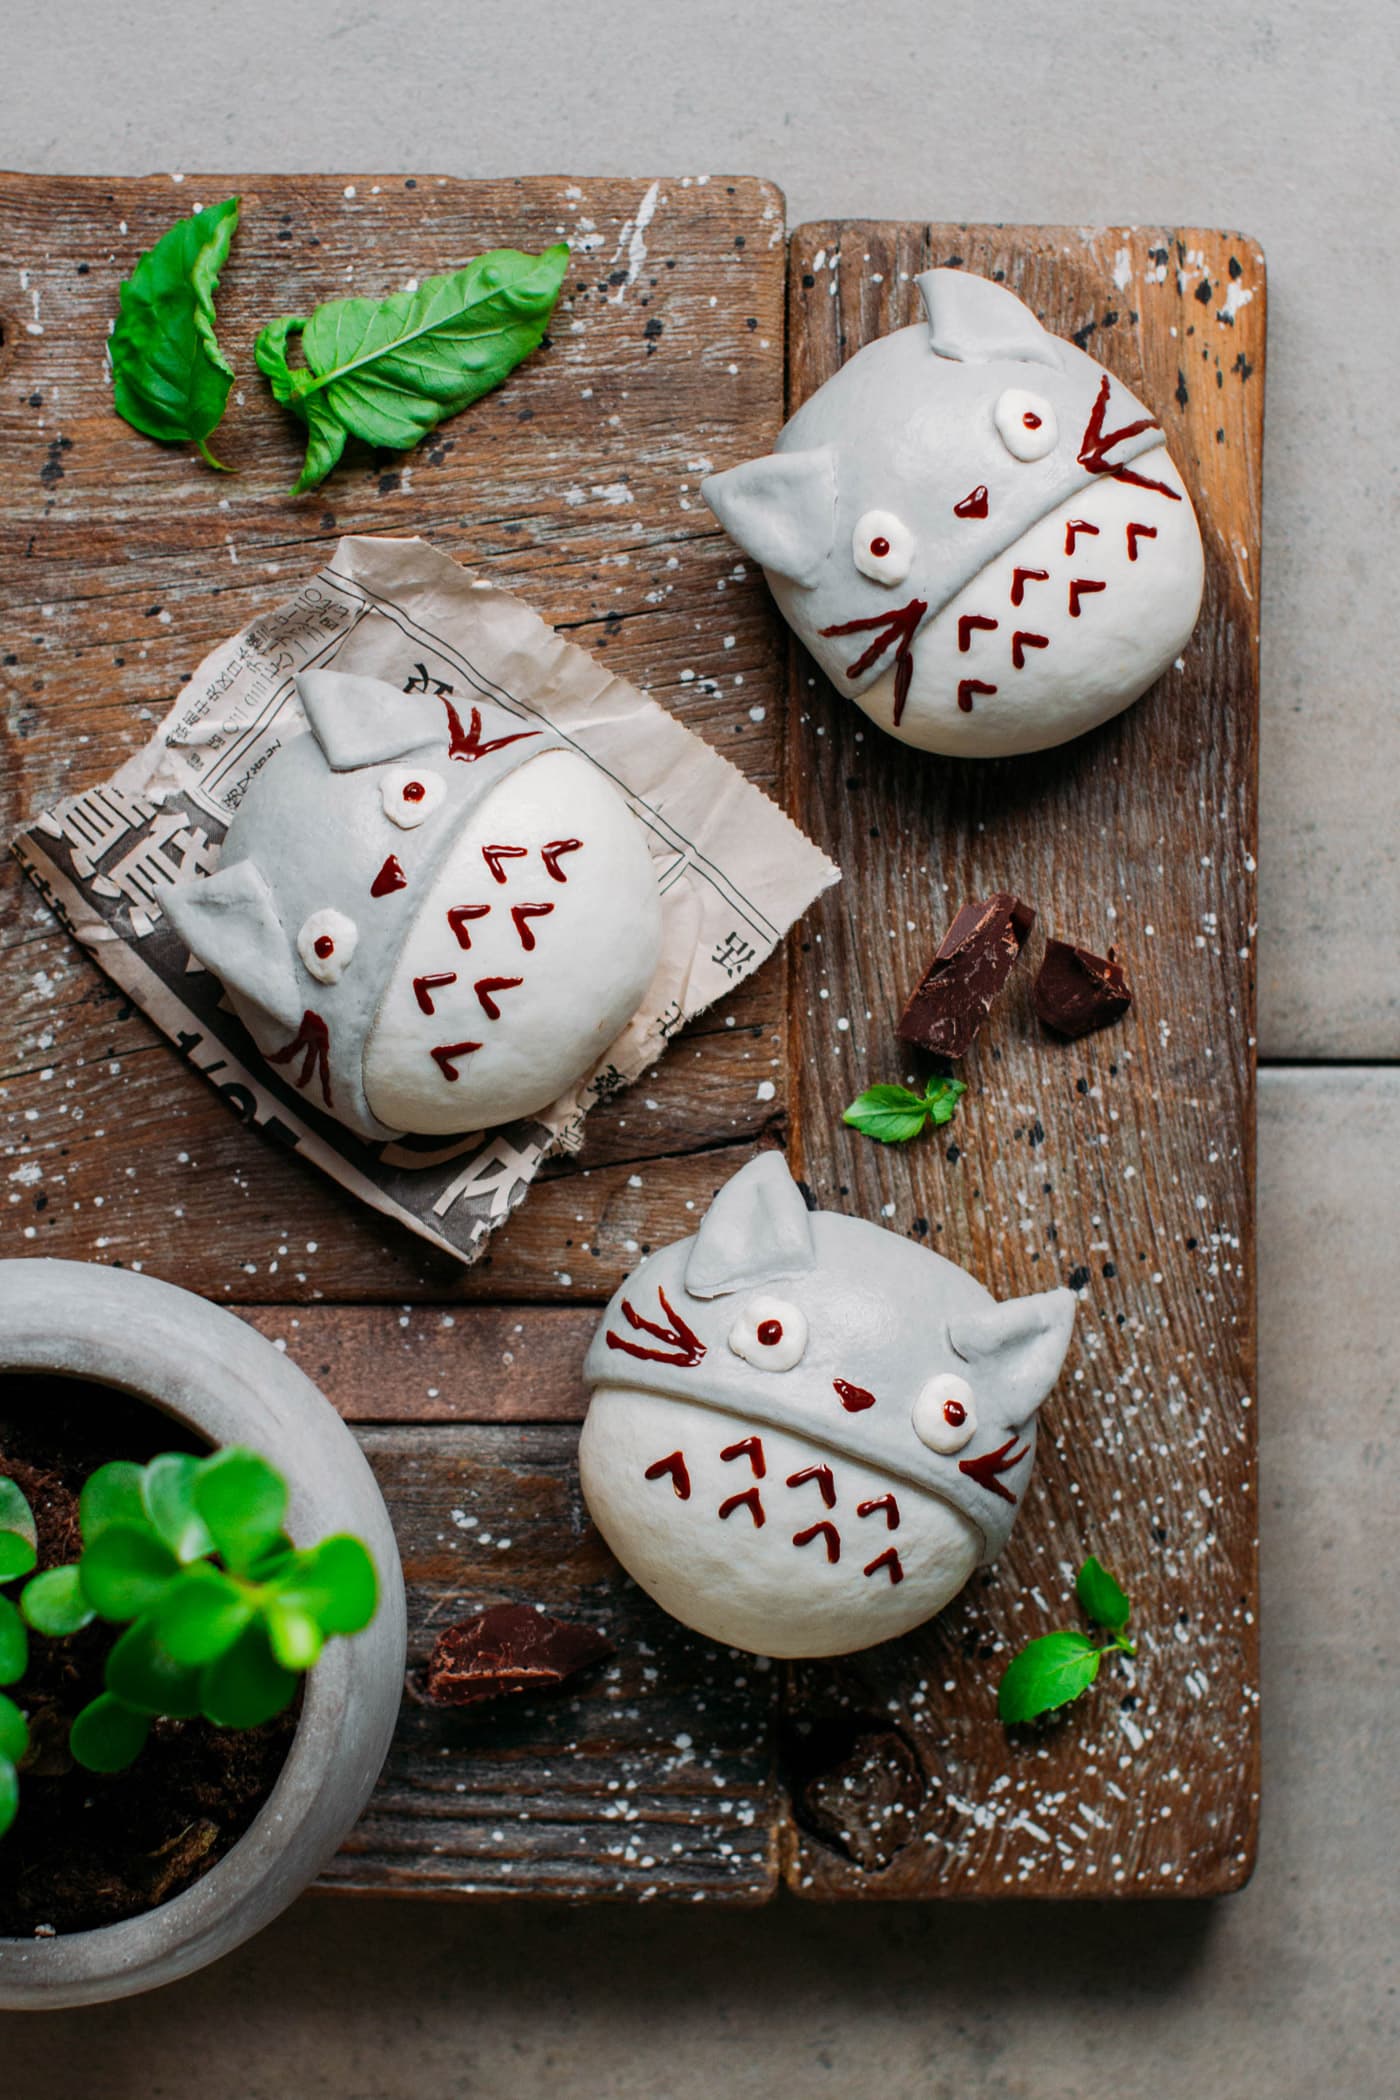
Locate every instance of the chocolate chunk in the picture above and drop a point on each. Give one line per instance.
(973, 962)
(511, 1648)
(1076, 992)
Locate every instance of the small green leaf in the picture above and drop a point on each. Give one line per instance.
(108, 1735)
(336, 1583)
(201, 1614)
(942, 1098)
(1047, 1673)
(170, 379)
(55, 1603)
(243, 1500)
(9, 1794)
(247, 1685)
(890, 1113)
(1100, 1597)
(17, 1556)
(112, 1495)
(143, 1674)
(125, 1570)
(294, 1635)
(14, 1731)
(168, 1493)
(390, 371)
(14, 1644)
(15, 1513)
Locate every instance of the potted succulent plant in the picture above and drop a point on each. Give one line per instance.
(202, 1632)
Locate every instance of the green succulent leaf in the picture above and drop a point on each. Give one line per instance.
(170, 379)
(1047, 1674)
(895, 1114)
(336, 1583)
(295, 1637)
(247, 1685)
(168, 1492)
(112, 1495)
(14, 1731)
(14, 1644)
(9, 1794)
(201, 1614)
(243, 1500)
(143, 1674)
(389, 371)
(126, 1569)
(108, 1735)
(55, 1603)
(1100, 1598)
(18, 1537)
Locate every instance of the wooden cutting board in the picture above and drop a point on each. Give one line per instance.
(678, 1770)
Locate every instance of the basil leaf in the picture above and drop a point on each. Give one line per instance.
(170, 379)
(942, 1098)
(389, 371)
(1100, 1597)
(890, 1113)
(1047, 1673)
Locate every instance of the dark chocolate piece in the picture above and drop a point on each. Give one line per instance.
(1076, 992)
(511, 1648)
(973, 962)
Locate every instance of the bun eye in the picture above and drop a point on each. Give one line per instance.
(326, 944)
(1026, 424)
(882, 547)
(770, 1333)
(410, 794)
(945, 1415)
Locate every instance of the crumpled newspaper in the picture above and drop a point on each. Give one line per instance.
(734, 872)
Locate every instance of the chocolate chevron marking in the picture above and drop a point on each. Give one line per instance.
(446, 1055)
(877, 1505)
(1081, 587)
(424, 987)
(751, 1448)
(967, 623)
(521, 915)
(1021, 577)
(554, 852)
(458, 917)
(494, 855)
(1097, 443)
(889, 1560)
(1021, 642)
(1073, 527)
(822, 1476)
(825, 1531)
(485, 986)
(673, 1468)
(748, 1500)
(1136, 533)
(967, 687)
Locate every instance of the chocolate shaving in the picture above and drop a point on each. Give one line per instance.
(510, 1648)
(1076, 992)
(974, 960)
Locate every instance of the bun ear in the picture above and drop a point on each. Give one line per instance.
(977, 322)
(780, 509)
(366, 721)
(229, 922)
(756, 1230)
(1022, 1342)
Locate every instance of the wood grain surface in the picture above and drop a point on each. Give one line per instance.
(1122, 1166)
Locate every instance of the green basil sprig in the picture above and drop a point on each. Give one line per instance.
(1055, 1668)
(170, 379)
(894, 1114)
(389, 371)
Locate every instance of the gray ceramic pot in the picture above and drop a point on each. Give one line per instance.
(213, 1373)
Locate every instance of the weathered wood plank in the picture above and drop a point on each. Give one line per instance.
(1123, 1165)
(122, 562)
(653, 1775)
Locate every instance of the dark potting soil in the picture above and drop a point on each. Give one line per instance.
(89, 1848)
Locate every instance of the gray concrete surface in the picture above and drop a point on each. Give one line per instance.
(1277, 120)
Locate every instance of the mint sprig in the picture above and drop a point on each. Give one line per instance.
(1055, 1668)
(894, 1114)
